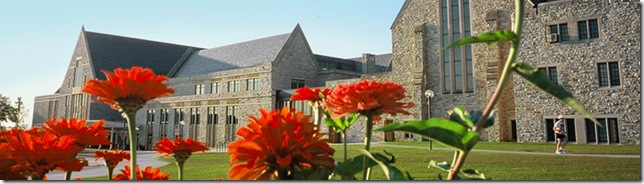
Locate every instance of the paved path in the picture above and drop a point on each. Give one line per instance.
(514, 152)
(97, 168)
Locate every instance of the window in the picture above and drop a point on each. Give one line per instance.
(149, 128)
(200, 89)
(588, 29)
(608, 74)
(551, 73)
(215, 87)
(252, 84)
(78, 78)
(163, 128)
(195, 116)
(211, 137)
(607, 133)
(178, 123)
(561, 31)
(234, 86)
(297, 83)
(456, 68)
(569, 126)
(231, 121)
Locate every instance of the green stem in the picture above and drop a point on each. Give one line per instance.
(366, 170)
(180, 165)
(514, 51)
(457, 166)
(110, 171)
(131, 125)
(344, 142)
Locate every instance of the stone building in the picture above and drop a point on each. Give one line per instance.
(216, 89)
(591, 48)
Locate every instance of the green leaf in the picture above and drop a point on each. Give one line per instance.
(444, 131)
(391, 172)
(458, 115)
(442, 165)
(341, 123)
(540, 80)
(489, 38)
(475, 115)
(470, 174)
(348, 169)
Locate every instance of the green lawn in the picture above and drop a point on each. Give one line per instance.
(541, 147)
(496, 166)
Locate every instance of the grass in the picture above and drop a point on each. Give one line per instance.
(495, 166)
(541, 147)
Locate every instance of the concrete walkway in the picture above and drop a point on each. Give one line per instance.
(514, 152)
(97, 168)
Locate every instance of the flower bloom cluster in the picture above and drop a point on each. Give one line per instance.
(369, 98)
(271, 146)
(181, 149)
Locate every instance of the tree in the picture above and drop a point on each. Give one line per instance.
(11, 113)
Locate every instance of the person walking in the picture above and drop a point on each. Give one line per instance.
(560, 135)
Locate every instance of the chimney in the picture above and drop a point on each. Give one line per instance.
(368, 63)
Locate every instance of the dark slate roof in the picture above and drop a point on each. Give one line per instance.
(108, 52)
(239, 55)
(383, 62)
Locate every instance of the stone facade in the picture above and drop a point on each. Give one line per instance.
(523, 112)
(577, 61)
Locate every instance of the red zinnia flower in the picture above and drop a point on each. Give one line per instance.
(179, 148)
(313, 95)
(93, 135)
(112, 157)
(148, 174)
(35, 155)
(275, 143)
(369, 98)
(126, 89)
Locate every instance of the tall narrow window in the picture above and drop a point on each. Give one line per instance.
(457, 73)
(551, 73)
(78, 79)
(211, 133)
(193, 130)
(163, 123)
(608, 74)
(588, 29)
(252, 84)
(231, 122)
(149, 128)
(215, 87)
(297, 83)
(561, 31)
(178, 123)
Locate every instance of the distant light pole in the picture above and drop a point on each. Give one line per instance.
(181, 130)
(429, 94)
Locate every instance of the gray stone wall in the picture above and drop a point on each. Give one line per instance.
(296, 61)
(41, 110)
(576, 62)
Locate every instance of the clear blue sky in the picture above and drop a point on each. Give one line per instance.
(37, 38)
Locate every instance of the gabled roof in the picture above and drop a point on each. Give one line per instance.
(108, 52)
(383, 62)
(239, 55)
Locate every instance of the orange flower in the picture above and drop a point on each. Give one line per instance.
(147, 174)
(273, 144)
(128, 89)
(93, 135)
(369, 98)
(179, 148)
(6, 173)
(308, 94)
(37, 154)
(112, 157)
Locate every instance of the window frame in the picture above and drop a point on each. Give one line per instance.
(297, 83)
(549, 73)
(609, 74)
(200, 89)
(459, 57)
(588, 32)
(560, 35)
